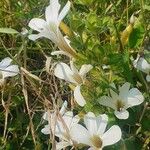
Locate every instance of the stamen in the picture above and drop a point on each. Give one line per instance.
(77, 78)
(119, 105)
(96, 141)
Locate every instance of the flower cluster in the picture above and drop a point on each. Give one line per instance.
(70, 129)
(71, 133)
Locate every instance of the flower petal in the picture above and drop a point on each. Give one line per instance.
(34, 37)
(10, 71)
(45, 116)
(148, 78)
(112, 136)
(63, 108)
(68, 118)
(113, 94)
(90, 121)
(80, 134)
(51, 13)
(107, 101)
(61, 145)
(78, 96)
(73, 68)
(46, 130)
(60, 53)
(64, 11)
(134, 97)
(102, 121)
(124, 90)
(85, 69)
(142, 64)
(64, 72)
(37, 24)
(124, 114)
(5, 62)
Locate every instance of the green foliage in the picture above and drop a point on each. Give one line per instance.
(8, 31)
(97, 27)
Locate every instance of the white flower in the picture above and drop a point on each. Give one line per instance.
(7, 70)
(62, 129)
(49, 28)
(51, 117)
(60, 125)
(122, 101)
(141, 64)
(93, 134)
(71, 74)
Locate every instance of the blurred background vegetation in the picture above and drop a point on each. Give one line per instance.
(96, 27)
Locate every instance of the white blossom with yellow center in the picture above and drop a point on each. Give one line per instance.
(122, 101)
(60, 125)
(72, 75)
(93, 134)
(49, 28)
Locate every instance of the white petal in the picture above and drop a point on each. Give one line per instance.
(85, 69)
(64, 11)
(63, 144)
(148, 78)
(91, 148)
(45, 33)
(90, 121)
(49, 116)
(52, 11)
(64, 72)
(112, 136)
(68, 118)
(34, 37)
(45, 116)
(142, 64)
(75, 120)
(124, 90)
(10, 71)
(124, 114)
(63, 126)
(60, 130)
(5, 62)
(102, 121)
(60, 53)
(80, 134)
(107, 101)
(134, 97)
(63, 108)
(37, 24)
(113, 94)
(78, 96)
(73, 68)
(46, 130)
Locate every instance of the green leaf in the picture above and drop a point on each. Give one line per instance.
(8, 31)
(136, 36)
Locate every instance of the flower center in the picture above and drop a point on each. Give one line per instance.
(119, 105)
(96, 141)
(66, 135)
(77, 78)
